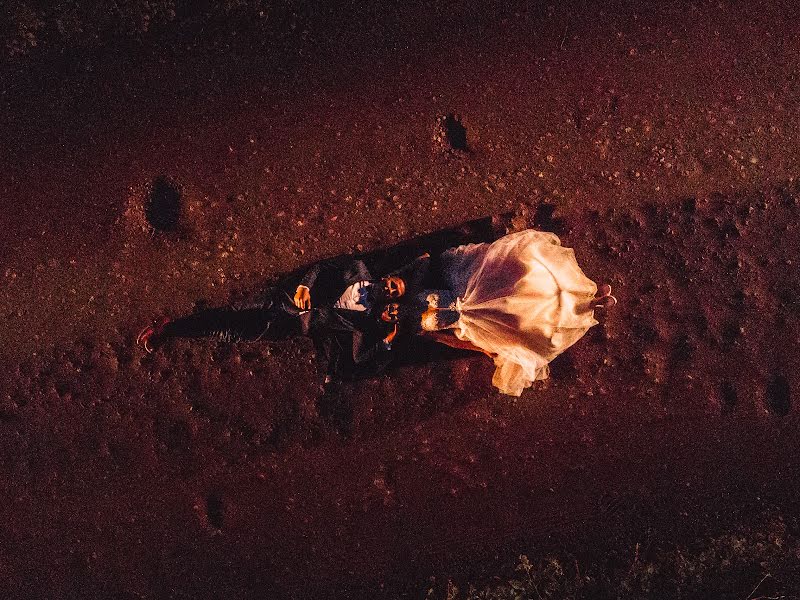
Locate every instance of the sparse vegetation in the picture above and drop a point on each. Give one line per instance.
(750, 562)
(209, 470)
(28, 25)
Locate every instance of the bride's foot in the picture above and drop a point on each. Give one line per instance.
(605, 303)
(604, 300)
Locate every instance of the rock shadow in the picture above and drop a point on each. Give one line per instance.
(453, 132)
(163, 206)
(778, 395)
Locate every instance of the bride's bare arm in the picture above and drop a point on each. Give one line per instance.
(448, 338)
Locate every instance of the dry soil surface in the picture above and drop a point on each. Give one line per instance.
(660, 143)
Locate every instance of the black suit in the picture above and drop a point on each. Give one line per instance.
(349, 343)
(327, 280)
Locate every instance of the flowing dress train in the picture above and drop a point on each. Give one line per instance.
(522, 298)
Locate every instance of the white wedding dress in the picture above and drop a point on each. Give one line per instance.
(522, 298)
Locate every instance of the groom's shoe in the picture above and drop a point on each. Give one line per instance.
(152, 336)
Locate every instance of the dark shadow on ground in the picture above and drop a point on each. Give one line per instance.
(385, 260)
(411, 350)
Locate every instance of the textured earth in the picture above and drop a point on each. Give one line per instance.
(154, 176)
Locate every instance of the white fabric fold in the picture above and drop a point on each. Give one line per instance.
(522, 298)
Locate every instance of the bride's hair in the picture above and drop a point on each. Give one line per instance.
(390, 313)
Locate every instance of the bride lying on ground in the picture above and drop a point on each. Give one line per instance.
(522, 300)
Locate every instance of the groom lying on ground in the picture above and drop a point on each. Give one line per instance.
(338, 304)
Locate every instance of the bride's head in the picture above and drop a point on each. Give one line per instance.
(391, 313)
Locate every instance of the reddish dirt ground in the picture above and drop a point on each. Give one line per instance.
(664, 141)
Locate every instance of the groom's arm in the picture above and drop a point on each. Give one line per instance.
(337, 272)
(364, 351)
(302, 295)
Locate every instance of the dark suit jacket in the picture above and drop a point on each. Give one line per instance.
(349, 343)
(328, 279)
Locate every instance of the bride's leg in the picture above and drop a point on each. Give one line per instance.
(448, 338)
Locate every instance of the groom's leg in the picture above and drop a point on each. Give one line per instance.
(272, 319)
(225, 324)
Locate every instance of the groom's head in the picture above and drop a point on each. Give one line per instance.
(393, 287)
